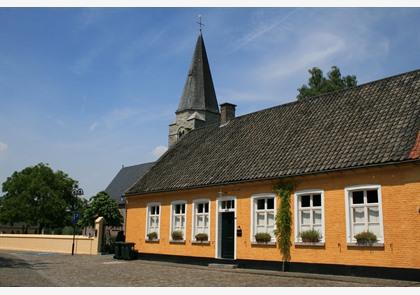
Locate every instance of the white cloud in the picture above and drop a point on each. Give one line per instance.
(159, 150)
(3, 147)
(93, 126)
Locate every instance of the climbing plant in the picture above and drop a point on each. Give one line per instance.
(284, 220)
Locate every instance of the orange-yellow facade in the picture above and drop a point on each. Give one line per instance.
(400, 190)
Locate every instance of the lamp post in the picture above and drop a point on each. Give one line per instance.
(76, 192)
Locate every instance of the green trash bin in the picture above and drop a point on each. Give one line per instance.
(128, 251)
(118, 250)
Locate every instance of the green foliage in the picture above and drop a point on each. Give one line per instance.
(177, 235)
(101, 205)
(263, 237)
(318, 84)
(366, 238)
(284, 219)
(201, 237)
(152, 236)
(37, 196)
(310, 236)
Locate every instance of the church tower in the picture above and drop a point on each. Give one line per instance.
(198, 104)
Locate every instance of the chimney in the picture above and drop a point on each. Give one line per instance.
(227, 112)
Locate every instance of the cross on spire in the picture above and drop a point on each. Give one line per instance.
(199, 22)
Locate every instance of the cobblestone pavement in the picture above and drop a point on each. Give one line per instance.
(49, 269)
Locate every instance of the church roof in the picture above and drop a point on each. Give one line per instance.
(199, 91)
(372, 124)
(125, 178)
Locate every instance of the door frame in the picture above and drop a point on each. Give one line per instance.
(219, 211)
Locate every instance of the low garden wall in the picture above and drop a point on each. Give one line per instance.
(54, 243)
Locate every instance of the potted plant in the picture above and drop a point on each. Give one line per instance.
(263, 237)
(152, 236)
(177, 235)
(365, 238)
(310, 236)
(201, 237)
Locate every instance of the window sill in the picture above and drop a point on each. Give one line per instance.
(200, 243)
(152, 241)
(309, 244)
(374, 245)
(176, 241)
(268, 244)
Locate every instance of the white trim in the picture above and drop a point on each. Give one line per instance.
(170, 219)
(347, 191)
(218, 212)
(195, 201)
(296, 211)
(147, 218)
(261, 196)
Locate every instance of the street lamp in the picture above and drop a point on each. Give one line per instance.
(76, 192)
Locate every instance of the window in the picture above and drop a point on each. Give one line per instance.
(364, 211)
(227, 205)
(309, 213)
(201, 218)
(153, 217)
(263, 215)
(178, 218)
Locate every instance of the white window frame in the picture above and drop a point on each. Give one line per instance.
(254, 199)
(149, 205)
(297, 218)
(171, 220)
(194, 206)
(347, 195)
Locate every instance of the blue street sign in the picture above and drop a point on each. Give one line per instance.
(75, 218)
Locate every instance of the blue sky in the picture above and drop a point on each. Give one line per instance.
(87, 90)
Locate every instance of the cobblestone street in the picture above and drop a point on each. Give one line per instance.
(32, 269)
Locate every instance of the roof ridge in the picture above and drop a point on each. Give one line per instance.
(329, 93)
(138, 164)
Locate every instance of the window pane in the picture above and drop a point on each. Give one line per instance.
(359, 214)
(232, 204)
(373, 214)
(260, 219)
(260, 204)
(183, 208)
(206, 220)
(152, 210)
(206, 207)
(318, 228)
(375, 229)
(305, 217)
(200, 221)
(200, 208)
(228, 204)
(358, 228)
(270, 203)
(316, 200)
(270, 219)
(177, 209)
(358, 197)
(157, 209)
(223, 204)
(305, 228)
(305, 201)
(183, 221)
(177, 222)
(317, 216)
(372, 196)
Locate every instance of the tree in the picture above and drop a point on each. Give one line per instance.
(37, 196)
(318, 84)
(101, 205)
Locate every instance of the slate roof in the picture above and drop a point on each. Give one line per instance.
(371, 124)
(199, 91)
(125, 178)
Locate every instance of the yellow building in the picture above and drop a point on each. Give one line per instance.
(352, 157)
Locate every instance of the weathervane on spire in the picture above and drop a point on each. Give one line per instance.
(199, 22)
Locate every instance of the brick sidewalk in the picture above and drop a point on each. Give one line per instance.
(48, 269)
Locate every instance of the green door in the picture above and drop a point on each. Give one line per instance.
(228, 235)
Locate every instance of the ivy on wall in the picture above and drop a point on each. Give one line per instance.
(284, 220)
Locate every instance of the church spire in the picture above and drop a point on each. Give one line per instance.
(199, 94)
(198, 105)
